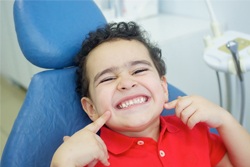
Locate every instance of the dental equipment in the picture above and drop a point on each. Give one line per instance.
(228, 52)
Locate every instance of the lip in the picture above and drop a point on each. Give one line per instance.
(126, 99)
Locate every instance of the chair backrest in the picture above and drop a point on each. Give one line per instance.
(50, 34)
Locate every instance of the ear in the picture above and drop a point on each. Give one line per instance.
(165, 87)
(89, 108)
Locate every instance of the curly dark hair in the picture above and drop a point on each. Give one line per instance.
(112, 31)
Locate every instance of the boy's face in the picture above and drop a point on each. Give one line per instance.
(124, 80)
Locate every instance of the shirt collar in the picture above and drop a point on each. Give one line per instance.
(167, 126)
(118, 143)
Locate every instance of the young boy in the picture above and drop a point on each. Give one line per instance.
(124, 90)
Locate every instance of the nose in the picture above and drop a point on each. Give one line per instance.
(126, 83)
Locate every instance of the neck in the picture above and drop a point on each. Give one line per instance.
(153, 131)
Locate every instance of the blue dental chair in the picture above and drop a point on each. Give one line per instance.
(50, 33)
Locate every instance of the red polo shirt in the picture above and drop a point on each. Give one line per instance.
(178, 146)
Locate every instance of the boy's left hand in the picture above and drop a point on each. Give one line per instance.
(194, 109)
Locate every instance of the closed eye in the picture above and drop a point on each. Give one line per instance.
(107, 79)
(140, 71)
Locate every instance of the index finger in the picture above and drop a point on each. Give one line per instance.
(97, 124)
(171, 105)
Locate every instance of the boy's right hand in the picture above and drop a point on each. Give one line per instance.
(84, 148)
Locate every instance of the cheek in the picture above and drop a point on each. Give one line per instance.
(156, 83)
(160, 92)
(165, 91)
(102, 100)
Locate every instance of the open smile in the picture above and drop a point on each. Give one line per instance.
(132, 102)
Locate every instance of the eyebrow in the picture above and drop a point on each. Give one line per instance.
(114, 68)
(108, 70)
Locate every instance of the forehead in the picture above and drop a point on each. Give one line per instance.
(116, 53)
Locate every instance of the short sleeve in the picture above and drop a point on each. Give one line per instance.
(217, 148)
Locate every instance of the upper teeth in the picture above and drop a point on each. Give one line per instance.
(128, 103)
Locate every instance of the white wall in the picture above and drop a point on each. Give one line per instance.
(234, 14)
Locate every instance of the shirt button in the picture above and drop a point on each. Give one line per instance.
(162, 153)
(140, 142)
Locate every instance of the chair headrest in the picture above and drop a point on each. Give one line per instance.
(50, 32)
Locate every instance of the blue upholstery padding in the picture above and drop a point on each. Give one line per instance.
(50, 32)
(50, 111)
